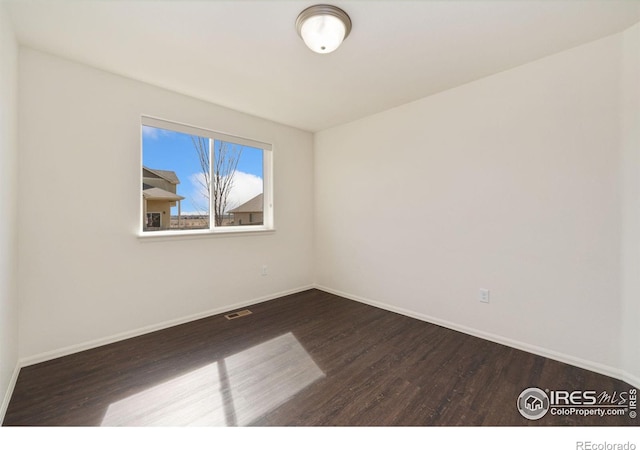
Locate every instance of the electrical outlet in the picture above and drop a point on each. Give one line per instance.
(484, 295)
(263, 271)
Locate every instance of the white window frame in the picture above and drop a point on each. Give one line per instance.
(267, 171)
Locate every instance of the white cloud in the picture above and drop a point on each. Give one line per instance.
(245, 187)
(198, 194)
(153, 132)
(150, 132)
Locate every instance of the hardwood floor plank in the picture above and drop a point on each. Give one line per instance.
(307, 359)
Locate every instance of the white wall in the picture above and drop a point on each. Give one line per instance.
(8, 202)
(517, 183)
(85, 277)
(509, 183)
(630, 143)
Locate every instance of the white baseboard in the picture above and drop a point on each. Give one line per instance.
(46, 356)
(9, 392)
(547, 353)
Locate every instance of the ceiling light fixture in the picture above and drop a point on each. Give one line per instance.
(323, 27)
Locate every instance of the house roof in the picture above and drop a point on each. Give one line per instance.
(168, 175)
(153, 193)
(256, 204)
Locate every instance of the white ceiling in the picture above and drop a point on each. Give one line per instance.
(246, 55)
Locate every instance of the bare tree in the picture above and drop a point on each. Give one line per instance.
(217, 179)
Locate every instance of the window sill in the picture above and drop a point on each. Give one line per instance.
(151, 236)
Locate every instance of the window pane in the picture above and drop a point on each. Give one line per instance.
(237, 184)
(194, 178)
(175, 180)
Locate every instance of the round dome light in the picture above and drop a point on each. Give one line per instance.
(323, 27)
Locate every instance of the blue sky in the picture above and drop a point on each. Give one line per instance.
(170, 150)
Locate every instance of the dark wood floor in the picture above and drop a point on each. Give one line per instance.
(306, 359)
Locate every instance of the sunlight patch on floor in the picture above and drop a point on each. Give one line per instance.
(232, 391)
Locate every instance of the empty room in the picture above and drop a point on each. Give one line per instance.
(355, 214)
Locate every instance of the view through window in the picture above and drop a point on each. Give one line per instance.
(195, 179)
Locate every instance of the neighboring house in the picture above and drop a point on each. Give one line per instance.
(249, 213)
(159, 195)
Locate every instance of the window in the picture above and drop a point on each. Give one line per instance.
(153, 221)
(195, 179)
